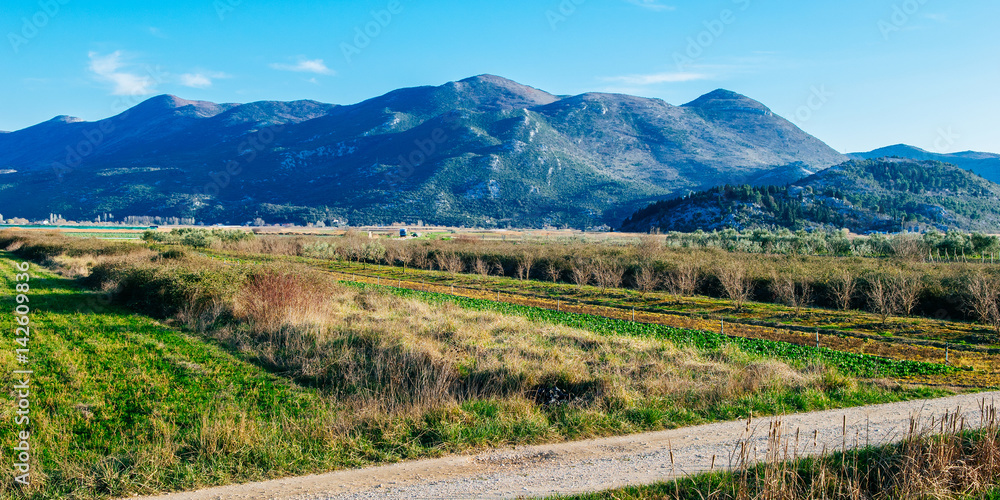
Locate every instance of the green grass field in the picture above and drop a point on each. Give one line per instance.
(123, 404)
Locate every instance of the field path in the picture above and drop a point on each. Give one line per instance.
(598, 464)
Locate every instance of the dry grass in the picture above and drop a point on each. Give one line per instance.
(937, 459)
(387, 354)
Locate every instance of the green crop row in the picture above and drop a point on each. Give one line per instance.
(862, 365)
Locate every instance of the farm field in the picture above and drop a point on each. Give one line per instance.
(209, 372)
(701, 307)
(757, 320)
(937, 311)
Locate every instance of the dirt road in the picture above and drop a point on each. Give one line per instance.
(598, 464)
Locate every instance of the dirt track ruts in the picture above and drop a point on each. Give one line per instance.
(598, 464)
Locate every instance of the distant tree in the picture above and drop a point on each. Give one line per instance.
(421, 258)
(908, 247)
(352, 248)
(552, 269)
(648, 248)
(906, 290)
(736, 282)
(525, 262)
(497, 269)
(843, 288)
(404, 254)
(880, 297)
(792, 293)
(480, 267)
(982, 243)
(581, 271)
(684, 280)
(371, 251)
(608, 273)
(646, 279)
(392, 251)
(983, 300)
(450, 262)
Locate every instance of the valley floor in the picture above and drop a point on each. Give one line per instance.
(127, 404)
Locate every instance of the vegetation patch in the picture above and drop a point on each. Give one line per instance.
(855, 364)
(943, 461)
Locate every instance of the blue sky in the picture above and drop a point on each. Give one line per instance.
(858, 74)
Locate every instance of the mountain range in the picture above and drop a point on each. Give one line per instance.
(484, 151)
(885, 195)
(984, 164)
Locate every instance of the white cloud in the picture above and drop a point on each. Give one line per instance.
(195, 80)
(653, 5)
(200, 80)
(305, 66)
(657, 78)
(107, 68)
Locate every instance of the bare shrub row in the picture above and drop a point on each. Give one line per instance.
(885, 287)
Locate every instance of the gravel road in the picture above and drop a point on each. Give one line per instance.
(599, 464)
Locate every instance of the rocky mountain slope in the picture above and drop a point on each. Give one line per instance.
(484, 151)
(887, 194)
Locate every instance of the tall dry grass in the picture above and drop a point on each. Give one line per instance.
(937, 459)
(387, 354)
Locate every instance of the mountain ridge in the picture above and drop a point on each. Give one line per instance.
(484, 151)
(982, 163)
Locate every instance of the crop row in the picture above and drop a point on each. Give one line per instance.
(862, 365)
